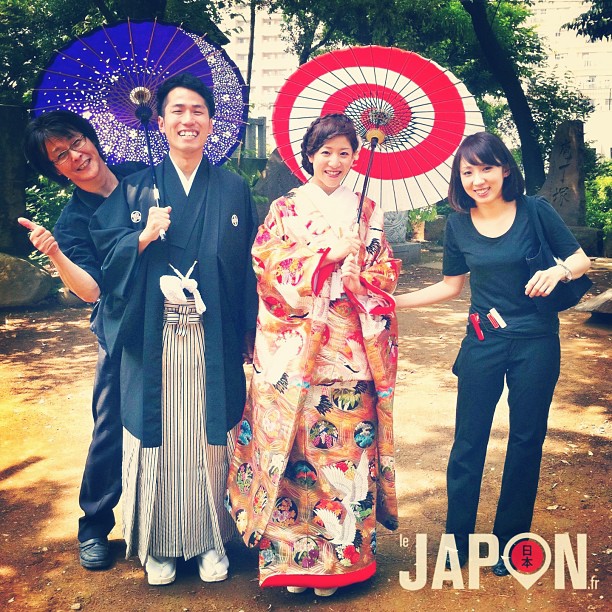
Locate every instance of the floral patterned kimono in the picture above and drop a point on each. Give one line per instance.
(313, 469)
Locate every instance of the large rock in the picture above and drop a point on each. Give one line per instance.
(601, 303)
(276, 180)
(22, 283)
(590, 239)
(408, 252)
(564, 185)
(396, 225)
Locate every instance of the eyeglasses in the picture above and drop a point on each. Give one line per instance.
(76, 145)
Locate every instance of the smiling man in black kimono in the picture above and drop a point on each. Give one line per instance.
(64, 147)
(169, 300)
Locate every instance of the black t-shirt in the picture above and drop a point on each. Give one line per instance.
(72, 234)
(498, 270)
(72, 228)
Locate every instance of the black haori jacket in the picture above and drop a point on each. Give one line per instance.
(214, 225)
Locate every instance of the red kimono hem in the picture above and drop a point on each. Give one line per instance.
(325, 581)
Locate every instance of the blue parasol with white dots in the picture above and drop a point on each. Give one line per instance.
(110, 76)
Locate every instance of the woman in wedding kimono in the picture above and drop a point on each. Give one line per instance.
(313, 468)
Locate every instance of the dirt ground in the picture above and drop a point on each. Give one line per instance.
(47, 359)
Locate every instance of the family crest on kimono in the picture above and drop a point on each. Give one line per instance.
(313, 469)
(179, 313)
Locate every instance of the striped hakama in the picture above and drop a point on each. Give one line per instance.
(173, 494)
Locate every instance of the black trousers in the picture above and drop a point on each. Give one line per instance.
(101, 484)
(530, 367)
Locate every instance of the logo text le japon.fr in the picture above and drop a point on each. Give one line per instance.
(527, 557)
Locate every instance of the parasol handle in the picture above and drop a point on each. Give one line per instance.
(144, 113)
(374, 137)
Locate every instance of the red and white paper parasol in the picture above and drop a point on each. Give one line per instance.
(413, 112)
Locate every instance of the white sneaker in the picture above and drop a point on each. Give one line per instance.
(293, 589)
(160, 570)
(325, 592)
(212, 567)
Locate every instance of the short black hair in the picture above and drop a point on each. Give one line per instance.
(54, 124)
(188, 81)
(484, 148)
(323, 129)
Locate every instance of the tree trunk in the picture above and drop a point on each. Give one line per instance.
(253, 16)
(106, 11)
(503, 70)
(306, 50)
(13, 237)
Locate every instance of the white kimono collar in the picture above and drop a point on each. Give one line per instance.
(186, 182)
(338, 208)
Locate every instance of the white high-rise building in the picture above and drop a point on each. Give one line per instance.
(589, 63)
(272, 64)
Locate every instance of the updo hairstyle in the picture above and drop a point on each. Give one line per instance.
(323, 129)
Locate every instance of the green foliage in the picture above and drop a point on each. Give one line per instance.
(30, 31)
(45, 201)
(448, 39)
(443, 208)
(598, 187)
(553, 100)
(419, 215)
(306, 30)
(199, 16)
(251, 176)
(596, 23)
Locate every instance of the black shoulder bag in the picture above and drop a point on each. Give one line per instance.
(564, 295)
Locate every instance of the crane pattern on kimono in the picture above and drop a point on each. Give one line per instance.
(355, 491)
(286, 347)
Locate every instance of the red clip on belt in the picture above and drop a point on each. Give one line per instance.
(475, 321)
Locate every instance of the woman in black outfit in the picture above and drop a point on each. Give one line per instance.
(507, 339)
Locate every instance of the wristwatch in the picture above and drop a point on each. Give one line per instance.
(568, 273)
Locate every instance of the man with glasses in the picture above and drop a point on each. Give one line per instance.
(64, 147)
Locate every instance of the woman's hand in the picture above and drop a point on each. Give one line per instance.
(41, 238)
(344, 246)
(542, 283)
(158, 220)
(350, 271)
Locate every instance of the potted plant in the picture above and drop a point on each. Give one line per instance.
(417, 219)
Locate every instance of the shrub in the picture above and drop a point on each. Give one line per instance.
(598, 188)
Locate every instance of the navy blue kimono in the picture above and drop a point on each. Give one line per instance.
(215, 224)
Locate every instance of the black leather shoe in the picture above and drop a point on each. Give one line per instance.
(462, 560)
(95, 553)
(500, 569)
